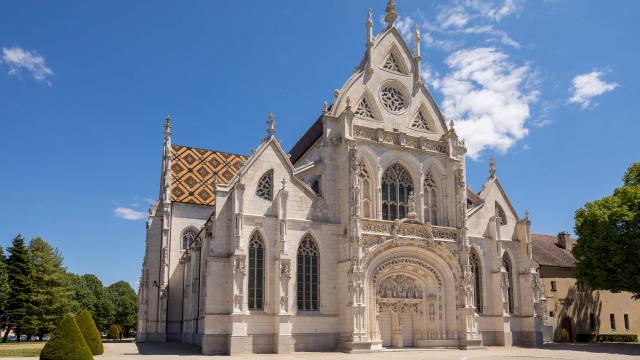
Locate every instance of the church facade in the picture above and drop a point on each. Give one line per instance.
(363, 236)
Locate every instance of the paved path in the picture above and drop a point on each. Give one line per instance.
(131, 351)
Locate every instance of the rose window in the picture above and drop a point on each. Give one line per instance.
(392, 99)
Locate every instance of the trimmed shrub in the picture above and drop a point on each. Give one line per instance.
(115, 332)
(90, 332)
(66, 343)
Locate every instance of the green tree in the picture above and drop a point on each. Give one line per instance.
(124, 300)
(608, 246)
(66, 343)
(52, 292)
(20, 307)
(89, 293)
(4, 295)
(90, 332)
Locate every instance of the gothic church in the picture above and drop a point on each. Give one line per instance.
(363, 236)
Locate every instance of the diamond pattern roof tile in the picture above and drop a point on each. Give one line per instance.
(193, 171)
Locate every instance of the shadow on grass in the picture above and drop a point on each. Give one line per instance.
(170, 348)
(598, 348)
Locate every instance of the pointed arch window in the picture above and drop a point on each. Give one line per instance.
(474, 261)
(307, 275)
(501, 217)
(256, 272)
(396, 186)
(430, 199)
(506, 263)
(265, 186)
(364, 109)
(366, 203)
(188, 235)
(390, 63)
(420, 122)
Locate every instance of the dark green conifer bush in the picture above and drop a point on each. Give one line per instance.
(66, 343)
(90, 332)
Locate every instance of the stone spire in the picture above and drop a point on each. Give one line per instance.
(416, 42)
(416, 50)
(492, 167)
(167, 128)
(392, 15)
(271, 121)
(369, 43)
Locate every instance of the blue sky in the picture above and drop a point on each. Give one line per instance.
(550, 88)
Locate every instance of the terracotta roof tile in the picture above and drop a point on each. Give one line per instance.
(193, 171)
(546, 252)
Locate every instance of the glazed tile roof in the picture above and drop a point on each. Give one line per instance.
(193, 171)
(546, 252)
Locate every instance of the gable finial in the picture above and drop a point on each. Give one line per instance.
(271, 121)
(492, 167)
(392, 15)
(416, 41)
(167, 128)
(369, 43)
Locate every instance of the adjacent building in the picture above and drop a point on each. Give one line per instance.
(573, 311)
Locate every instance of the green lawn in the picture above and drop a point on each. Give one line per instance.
(23, 349)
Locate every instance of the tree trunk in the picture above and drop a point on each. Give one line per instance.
(6, 334)
(17, 336)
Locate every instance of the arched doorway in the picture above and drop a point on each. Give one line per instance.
(409, 306)
(566, 330)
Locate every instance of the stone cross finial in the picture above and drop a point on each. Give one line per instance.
(392, 15)
(492, 167)
(167, 127)
(272, 124)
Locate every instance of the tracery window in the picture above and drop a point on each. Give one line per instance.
(393, 99)
(265, 186)
(364, 109)
(430, 200)
(396, 186)
(366, 203)
(307, 275)
(188, 235)
(508, 282)
(391, 63)
(501, 217)
(420, 122)
(256, 272)
(474, 261)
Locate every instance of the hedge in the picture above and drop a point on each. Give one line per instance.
(607, 338)
(115, 332)
(66, 343)
(90, 332)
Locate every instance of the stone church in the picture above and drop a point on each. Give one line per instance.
(363, 236)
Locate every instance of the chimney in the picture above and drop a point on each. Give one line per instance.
(565, 241)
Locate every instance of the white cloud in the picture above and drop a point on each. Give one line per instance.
(405, 27)
(19, 59)
(129, 214)
(587, 86)
(489, 97)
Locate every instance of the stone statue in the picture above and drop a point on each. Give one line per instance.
(411, 206)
